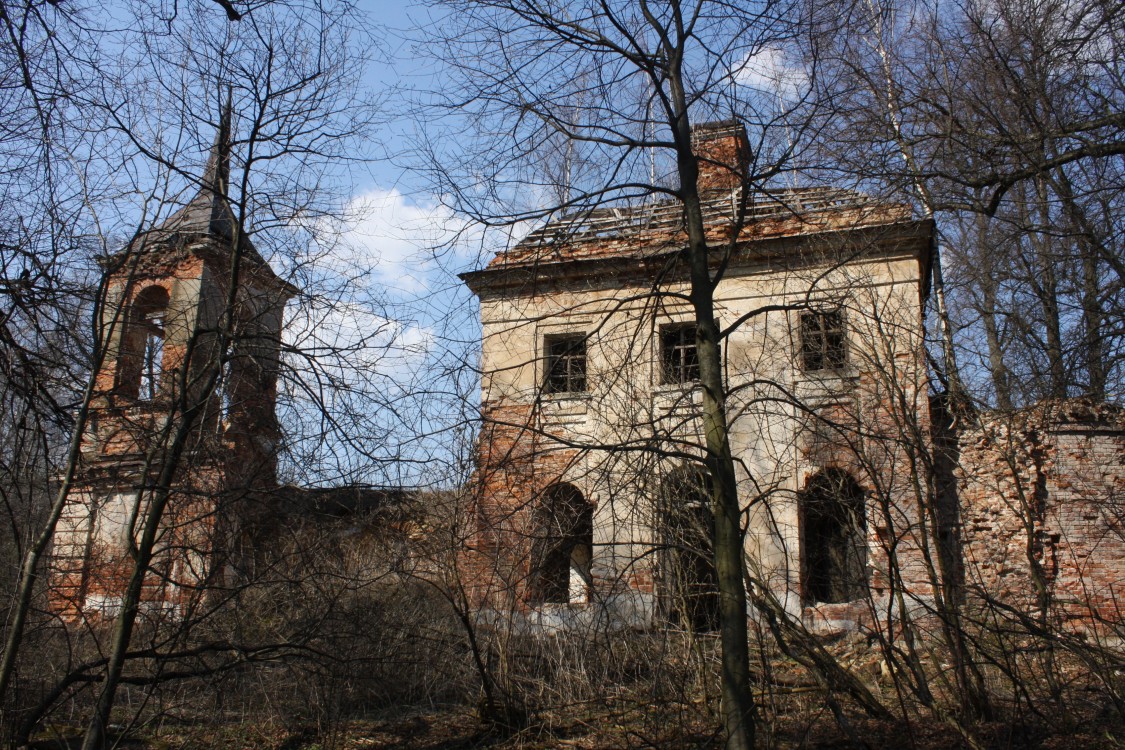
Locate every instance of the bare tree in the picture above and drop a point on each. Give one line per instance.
(82, 139)
(1005, 123)
(622, 84)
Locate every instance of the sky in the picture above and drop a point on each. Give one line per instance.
(397, 222)
(401, 220)
(410, 321)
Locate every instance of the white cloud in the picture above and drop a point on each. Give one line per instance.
(363, 337)
(395, 238)
(353, 325)
(771, 70)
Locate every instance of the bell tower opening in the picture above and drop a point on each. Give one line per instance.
(142, 352)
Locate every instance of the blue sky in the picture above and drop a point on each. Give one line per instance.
(409, 324)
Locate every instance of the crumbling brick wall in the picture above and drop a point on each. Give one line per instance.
(1042, 496)
(517, 464)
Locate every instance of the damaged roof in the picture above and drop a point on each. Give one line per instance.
(208, 215)
(655, 228)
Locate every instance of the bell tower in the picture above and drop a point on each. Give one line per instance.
(184, 408)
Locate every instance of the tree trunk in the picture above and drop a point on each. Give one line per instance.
(737, 699)
(989, 283)
(29, 571)
(191, 404)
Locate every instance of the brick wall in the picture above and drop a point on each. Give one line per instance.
(517, 464)
(1042, 504)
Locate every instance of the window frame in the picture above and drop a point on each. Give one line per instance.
(152, 354)
(679, 359)
(821, 347)
(143, 345)
(573, 374)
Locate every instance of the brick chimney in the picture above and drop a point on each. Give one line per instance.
(724, 154)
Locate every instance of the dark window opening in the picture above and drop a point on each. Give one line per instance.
(141, 358)
(689, 580)
(562, 548)
(566, 364)
(833, 539)
(679, 356)
(823, 341)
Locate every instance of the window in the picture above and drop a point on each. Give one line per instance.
(562, 547)
(142, 351)
(566, 364)
(823, 341)
(678, 356)
(833, 539)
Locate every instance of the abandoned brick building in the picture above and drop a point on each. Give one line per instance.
(592, 499)
(163, 332)
(591, 502)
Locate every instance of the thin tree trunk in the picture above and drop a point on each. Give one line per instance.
(1092, 326)
(1092, 251)
(193, 402)
(95, 738)
(988, 282)
(737, 699)
(958, 397)
(1048, 283)
(997, 369)
(29, 571)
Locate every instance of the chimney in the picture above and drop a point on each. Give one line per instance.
(724, 154)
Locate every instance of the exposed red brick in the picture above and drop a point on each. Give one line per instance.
(1042, 495)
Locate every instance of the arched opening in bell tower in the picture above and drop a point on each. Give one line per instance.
(142, 350)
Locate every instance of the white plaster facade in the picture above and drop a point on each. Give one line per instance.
(621, 288)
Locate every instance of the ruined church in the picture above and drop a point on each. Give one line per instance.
(589, 503)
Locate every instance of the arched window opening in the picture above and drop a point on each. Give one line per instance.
(691, 585)
(142, 351)
(563, 547)
(833, 539)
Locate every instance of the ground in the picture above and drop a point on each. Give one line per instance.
(608, 727)
(648, 691)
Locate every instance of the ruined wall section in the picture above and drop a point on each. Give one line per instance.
(1042, 495)
(516, 465)
(227, 470)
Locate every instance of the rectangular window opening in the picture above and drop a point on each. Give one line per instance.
(823, 341)
(679, 356)
(566, 363)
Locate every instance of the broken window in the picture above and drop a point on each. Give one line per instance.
(566, 364)
(833, 539)
(142, 352)
(823, 340)
(678, 355)
(562, 547)
(690, 583)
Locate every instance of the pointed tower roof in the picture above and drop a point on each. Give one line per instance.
(208, 215)
(216, 175)
(209, 212)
